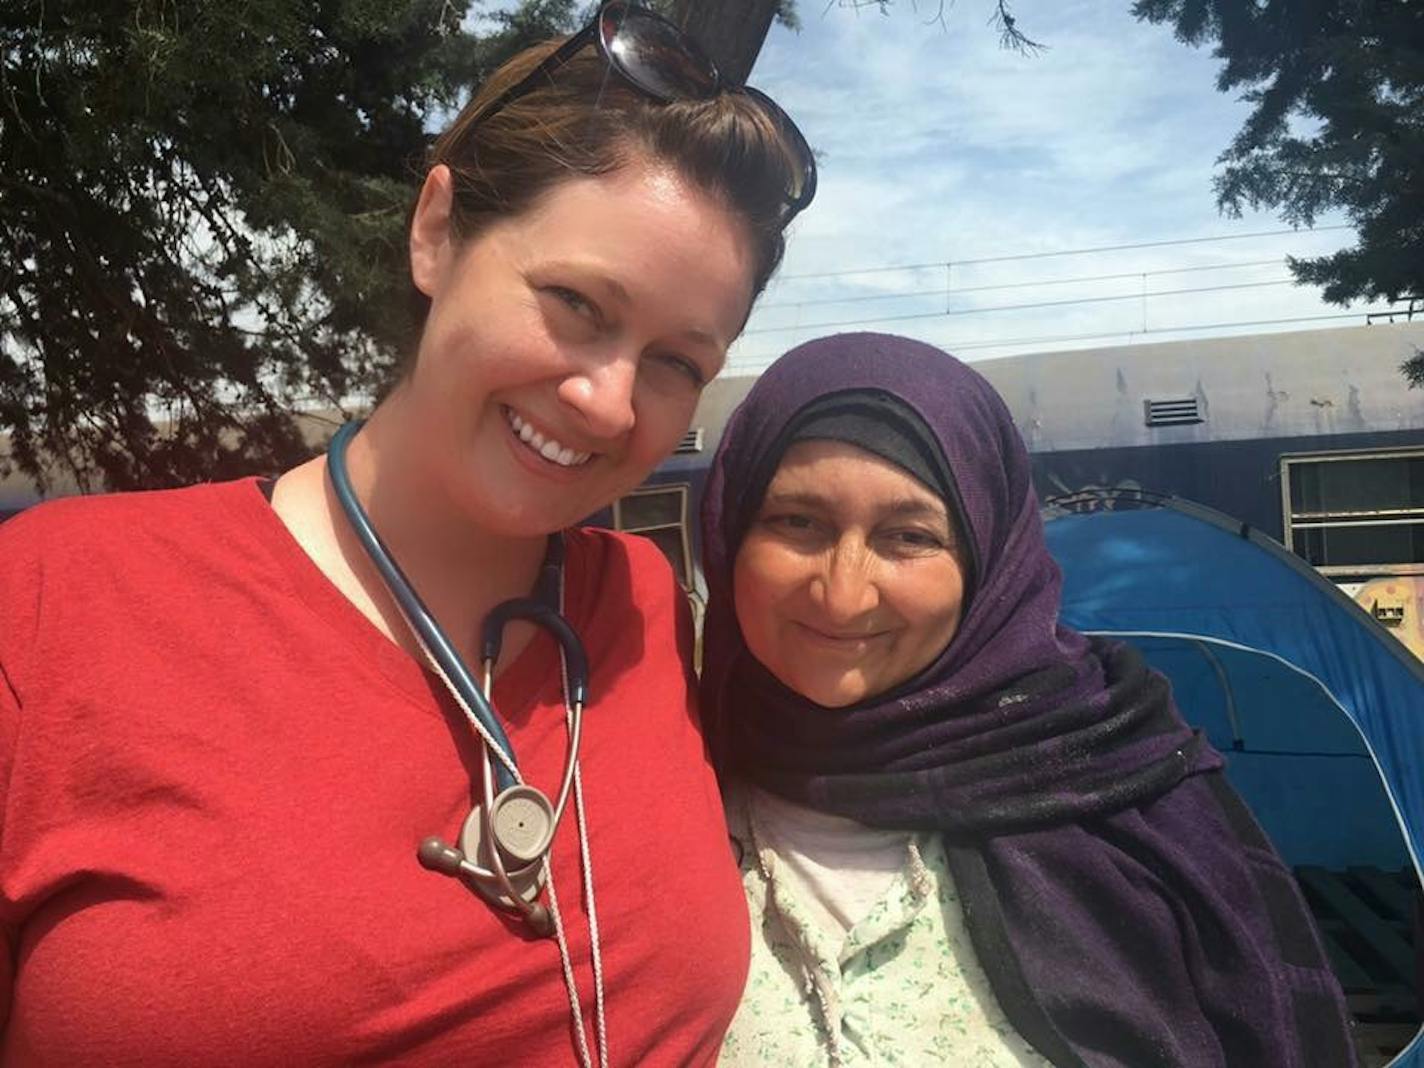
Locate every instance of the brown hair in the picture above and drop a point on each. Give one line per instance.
(586, 121)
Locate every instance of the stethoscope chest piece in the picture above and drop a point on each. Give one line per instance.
(525, 877)
(523, 821)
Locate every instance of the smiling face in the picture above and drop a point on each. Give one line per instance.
(849, 580)
(566, 347)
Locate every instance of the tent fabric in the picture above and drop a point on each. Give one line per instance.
(1264, 654)
(1291, 753)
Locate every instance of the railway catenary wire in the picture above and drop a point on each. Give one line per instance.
(761, 361)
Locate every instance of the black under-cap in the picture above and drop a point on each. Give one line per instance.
(885, 426)
(879, 424)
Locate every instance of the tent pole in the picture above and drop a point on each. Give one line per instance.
(1237, 741)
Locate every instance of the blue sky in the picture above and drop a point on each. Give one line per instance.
(936, 145)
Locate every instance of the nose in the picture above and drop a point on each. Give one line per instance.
(602, 394)
(846, 589)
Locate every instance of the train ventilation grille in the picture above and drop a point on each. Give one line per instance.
(691, 443)
(1173, 412)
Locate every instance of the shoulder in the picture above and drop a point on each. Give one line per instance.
(598, 546)
(76, 526)
(622, 586)
(613, 567)
(94, 542)
(75, 558)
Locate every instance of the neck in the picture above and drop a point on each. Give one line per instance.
(459, 569)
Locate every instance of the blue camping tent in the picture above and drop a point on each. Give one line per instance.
(1318, 709)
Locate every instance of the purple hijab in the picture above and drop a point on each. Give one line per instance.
(1124, 903)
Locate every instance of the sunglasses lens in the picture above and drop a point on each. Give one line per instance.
(803, 185)
(662, 61)
(655, 55)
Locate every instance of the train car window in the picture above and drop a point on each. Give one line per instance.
(660, 513)
(1356, 514)
(643, 511)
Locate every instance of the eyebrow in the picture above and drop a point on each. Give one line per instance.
(702, 337)
(789, 498)
(592, 272)
(901, 507)
(619, 292)
(616, 288)
(910, 507)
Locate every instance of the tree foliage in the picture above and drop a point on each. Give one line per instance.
(1337, 88)
(202, 207)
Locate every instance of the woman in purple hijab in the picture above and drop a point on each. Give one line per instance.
(967, 833)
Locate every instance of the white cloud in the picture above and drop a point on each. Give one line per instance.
(937, 145)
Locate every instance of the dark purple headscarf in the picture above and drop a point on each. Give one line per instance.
(1125, 905)
(965, 705)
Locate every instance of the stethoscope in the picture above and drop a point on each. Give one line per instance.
(505, 841)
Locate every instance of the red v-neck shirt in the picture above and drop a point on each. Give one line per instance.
(214, 773)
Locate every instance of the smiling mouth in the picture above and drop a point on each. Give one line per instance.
(546, 447)
(838, 639)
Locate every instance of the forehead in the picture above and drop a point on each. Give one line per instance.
(837, 472)
(660, 238)
(652, 196)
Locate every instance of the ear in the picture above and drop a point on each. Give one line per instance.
(430, 236)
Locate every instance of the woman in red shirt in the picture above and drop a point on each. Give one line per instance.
(220, 741)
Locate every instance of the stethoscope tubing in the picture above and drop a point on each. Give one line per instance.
(498, 872)
(500, 875)
(571, 749)
(496, 884)
(430, 633)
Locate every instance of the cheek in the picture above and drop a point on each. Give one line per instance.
(474, 334)
(744, 596)
(443, 360)
(933, 603)
(756, 584)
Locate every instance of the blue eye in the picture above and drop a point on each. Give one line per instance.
(573, 299)
(685, 366)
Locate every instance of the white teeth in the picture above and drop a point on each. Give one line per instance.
(548, 448)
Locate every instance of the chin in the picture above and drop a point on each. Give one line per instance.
(511, 521)
(826, 693)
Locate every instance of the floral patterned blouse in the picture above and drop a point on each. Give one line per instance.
(902, 987)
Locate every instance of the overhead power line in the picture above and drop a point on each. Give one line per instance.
(1060, 252)
(950, 313)
(944, 291)
(763, 360)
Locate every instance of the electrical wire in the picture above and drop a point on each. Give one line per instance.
(944, 313)
(957, 291)
(1061, 252)
(761, 361)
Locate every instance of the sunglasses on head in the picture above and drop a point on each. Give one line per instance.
(658, 59)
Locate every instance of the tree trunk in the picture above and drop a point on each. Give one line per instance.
(732, 31)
